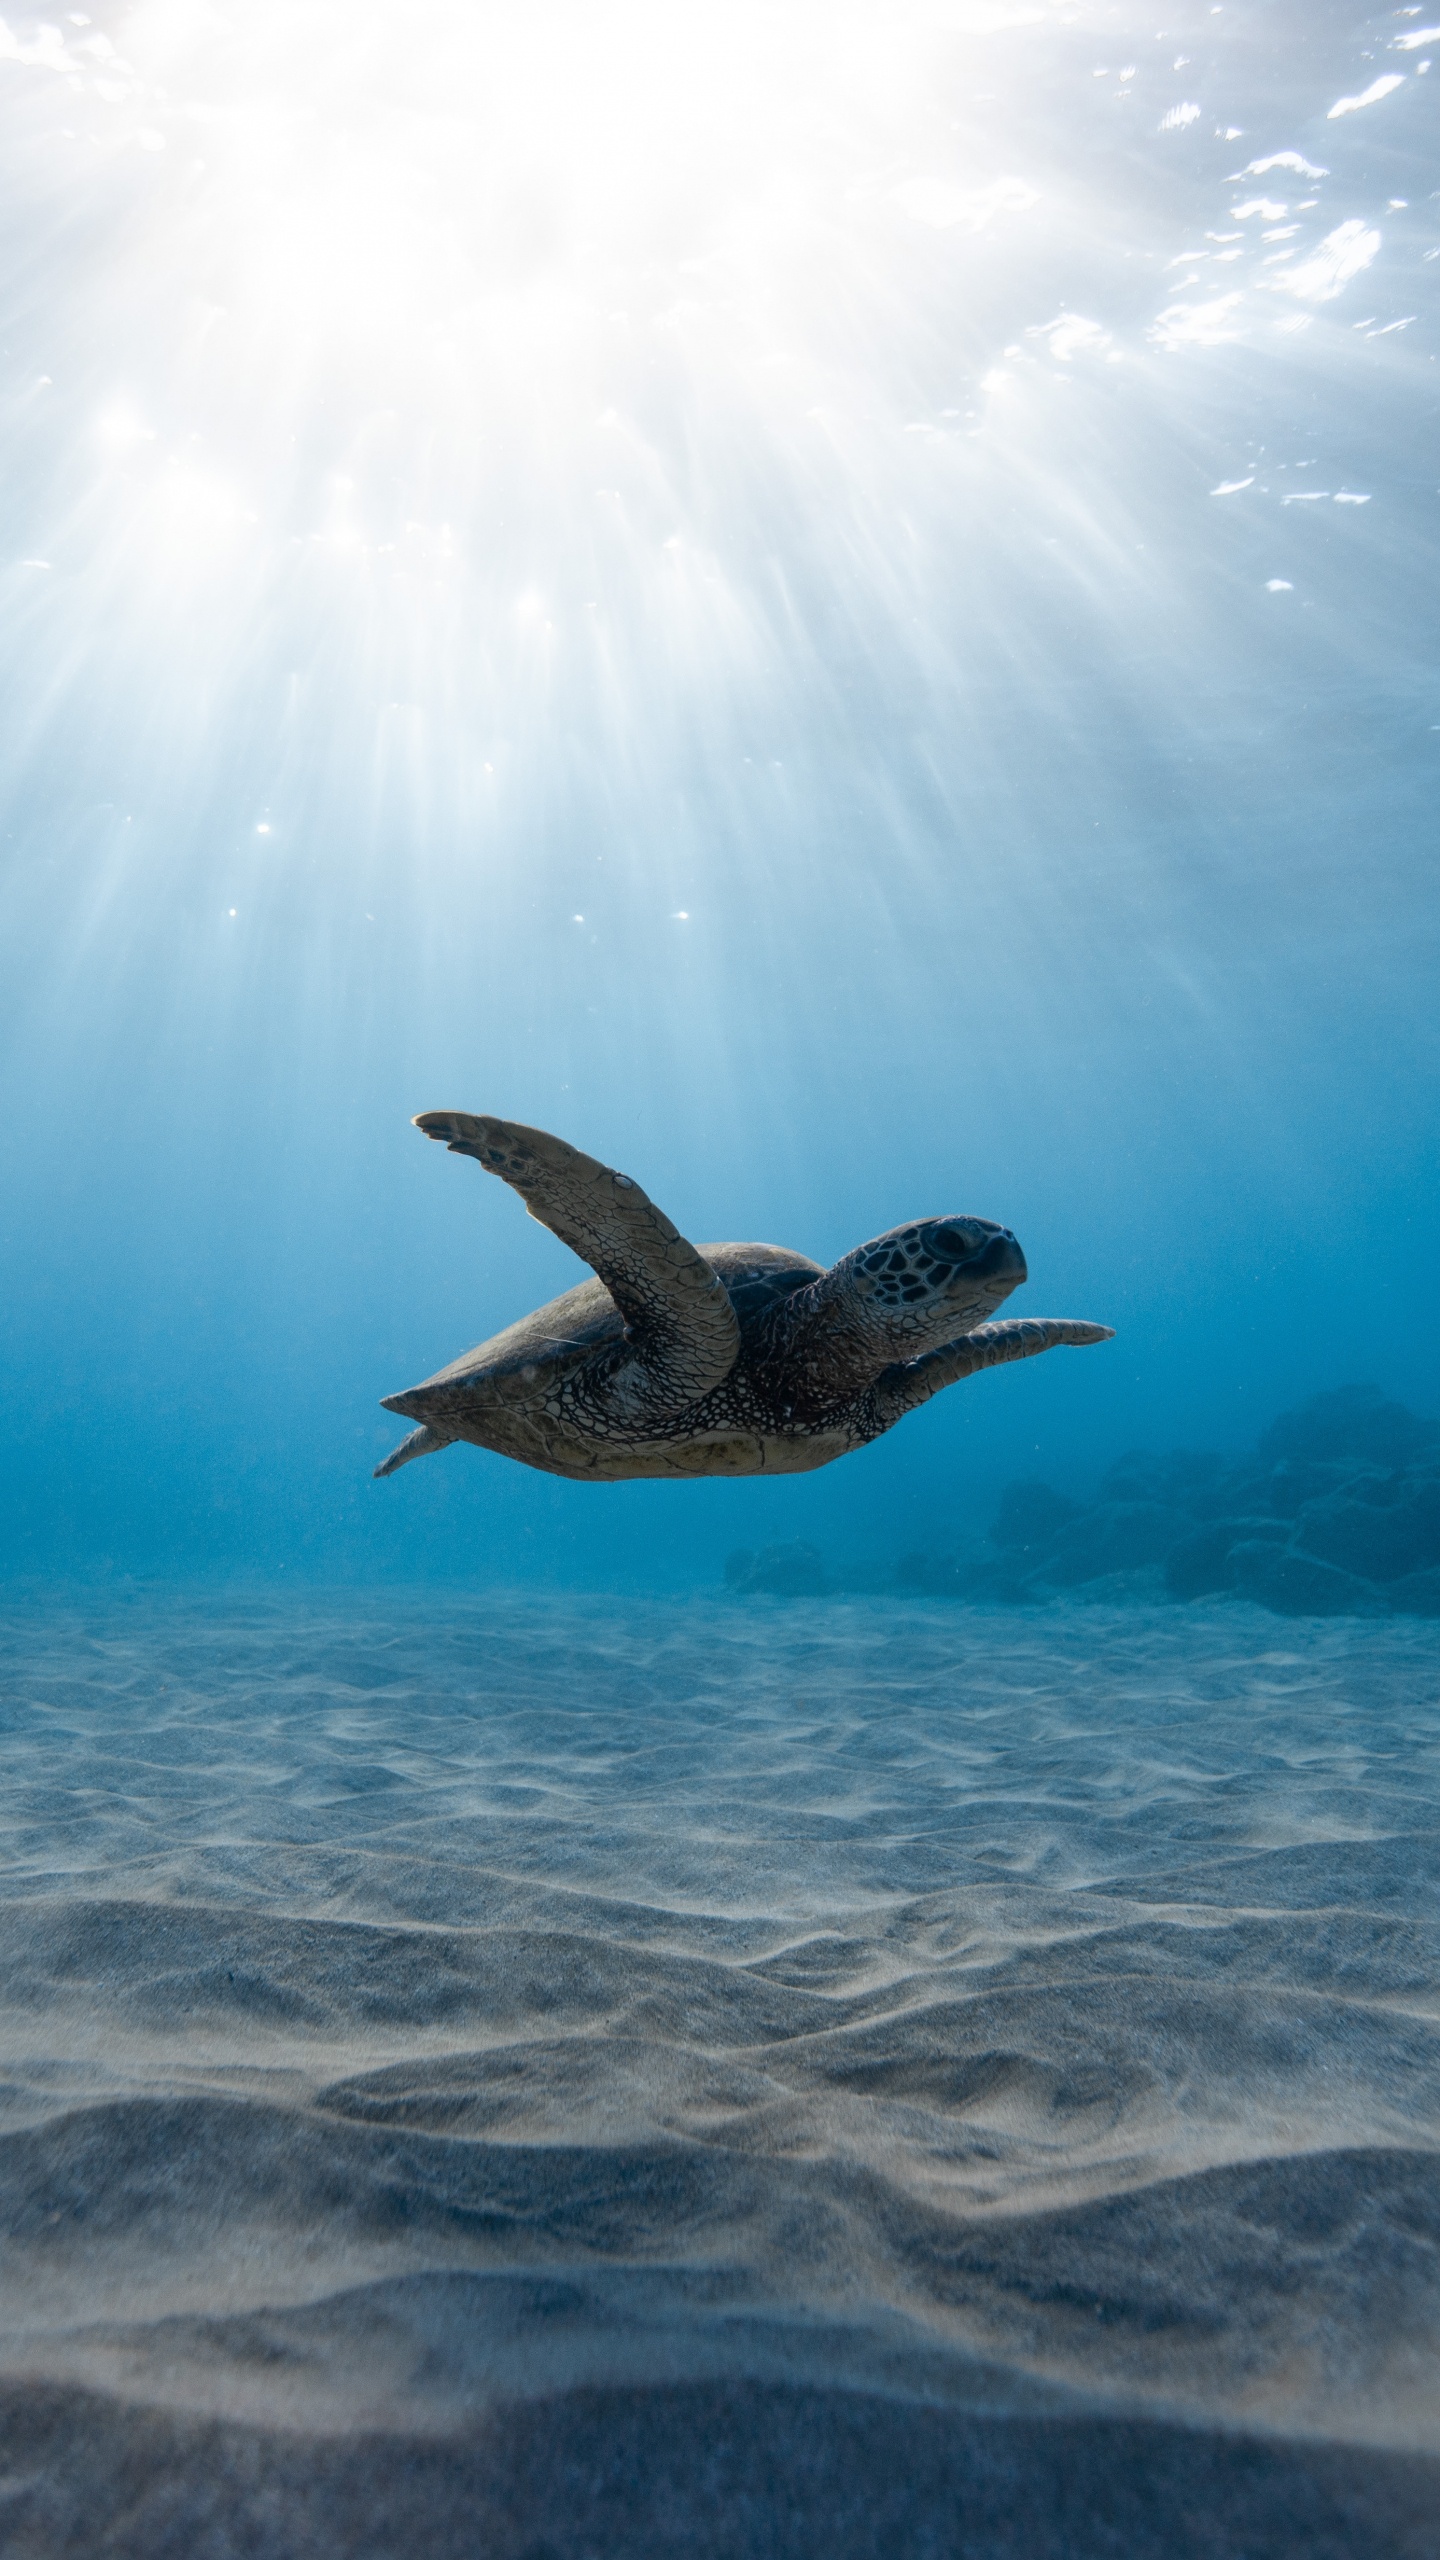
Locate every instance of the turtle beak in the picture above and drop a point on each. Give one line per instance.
(1002, 1260)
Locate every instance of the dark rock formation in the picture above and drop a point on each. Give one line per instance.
(1335, 1513)
(1111, 1537)
(1298, 1585)
(1354, 1427)
(1200, 1562)
(1030, 1515)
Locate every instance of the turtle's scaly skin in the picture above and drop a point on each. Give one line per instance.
(729, 1359)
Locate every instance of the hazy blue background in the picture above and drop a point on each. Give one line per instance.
(710, 579)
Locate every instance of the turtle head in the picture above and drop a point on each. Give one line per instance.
(903, 1294)
(927, 1283)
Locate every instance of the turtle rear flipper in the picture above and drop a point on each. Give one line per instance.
(682, 1335)
(418, 1444)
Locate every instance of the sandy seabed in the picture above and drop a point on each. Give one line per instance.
(538, 2079)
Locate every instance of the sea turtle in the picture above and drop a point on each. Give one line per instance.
(717, 1360)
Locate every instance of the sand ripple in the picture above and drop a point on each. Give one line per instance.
(485, 2031)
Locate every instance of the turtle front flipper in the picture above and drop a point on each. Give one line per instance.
(907, 1383)
(681, 1331)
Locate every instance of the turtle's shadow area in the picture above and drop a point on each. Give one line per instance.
(548, 2078)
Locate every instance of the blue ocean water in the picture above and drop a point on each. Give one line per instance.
(838, 605)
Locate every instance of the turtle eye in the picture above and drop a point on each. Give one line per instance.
(951, 1240)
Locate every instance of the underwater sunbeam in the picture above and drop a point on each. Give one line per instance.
(838, 603)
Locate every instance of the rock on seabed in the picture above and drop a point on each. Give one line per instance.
(1335, 1513)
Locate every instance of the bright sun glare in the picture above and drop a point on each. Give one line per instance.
(466, 194)
(513, 299)
(407, 389)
